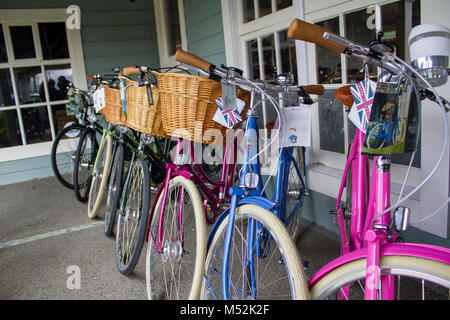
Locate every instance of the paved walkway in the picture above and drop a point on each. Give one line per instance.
(46, 240)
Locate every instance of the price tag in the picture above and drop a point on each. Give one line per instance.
(99, 99)
(297, 127)
(229, 95)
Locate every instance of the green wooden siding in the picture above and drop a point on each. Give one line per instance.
(113, 33)
(204, 29)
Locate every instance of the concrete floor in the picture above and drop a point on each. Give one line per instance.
(56, 240)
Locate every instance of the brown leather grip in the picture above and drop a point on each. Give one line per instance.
(314, 89)
(344, 96)
(128, 71)
(90, 77)
(193, 60)
(305, 31)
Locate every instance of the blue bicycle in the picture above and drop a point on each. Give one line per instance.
(251, 253)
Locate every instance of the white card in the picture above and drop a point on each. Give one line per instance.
(297, 127)
(220, 118)
(99, 99)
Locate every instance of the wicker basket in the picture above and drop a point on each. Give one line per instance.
(113, 109)
(189, 104)
(142, 116)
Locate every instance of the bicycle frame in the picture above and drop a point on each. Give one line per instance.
(217, 194)
(241, 195)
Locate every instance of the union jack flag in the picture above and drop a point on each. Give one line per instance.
(363, 93)
(232, 117)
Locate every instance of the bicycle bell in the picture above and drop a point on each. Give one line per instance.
(429, 46)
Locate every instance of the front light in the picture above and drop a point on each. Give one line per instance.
(147, 138)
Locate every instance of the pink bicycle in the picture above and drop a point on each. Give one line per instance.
(371, 259)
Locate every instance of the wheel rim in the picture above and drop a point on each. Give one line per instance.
(171, 268)
(272, 278)
(130, 219)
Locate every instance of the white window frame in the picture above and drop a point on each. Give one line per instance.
(326, 168)
(11, 17)
(162, 27)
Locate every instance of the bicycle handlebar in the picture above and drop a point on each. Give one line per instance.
(128, 71)
(305, 31)
(207, 68)
(195, 61)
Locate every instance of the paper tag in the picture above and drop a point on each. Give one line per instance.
(228, 95)
(123, 95)
(297, 127)
(229, 118)
(99, 99)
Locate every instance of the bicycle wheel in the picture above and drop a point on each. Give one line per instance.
(415, 278)
(84, 163)
(64, 149)
(132, 223)
(278, 274)
(399, 131)
(175, 271)
(295, 193)
(375, 138)
(114, 189)
(100, 176)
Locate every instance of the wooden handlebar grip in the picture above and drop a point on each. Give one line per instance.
(193, 60)
(128, 71)
(305, 31)
(344, 95)
(314, 89)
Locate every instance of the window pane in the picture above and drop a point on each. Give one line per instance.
(288, 55)
(265, 7)
(58, 78)
(9, 129)
(393, 20)
(252, 49)
(270, 64)
(6, 90)
(357, 29)
(36, 124)
(60, 117)
(174, 36)
(29, 83)
(22, 42)
(53, 40)
(331, 124)
(249, 10)
(281, 4)
(329, 62)
(3, 54)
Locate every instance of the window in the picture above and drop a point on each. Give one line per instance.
(36, 65)
(171, 29)
(333, 70)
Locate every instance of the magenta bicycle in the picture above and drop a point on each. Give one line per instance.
(177, 225)
(372, 265)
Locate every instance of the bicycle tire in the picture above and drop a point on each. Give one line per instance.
(295, 284)
(60, 167)
(393, 265)
(114, 189)
(100, 177)
(128, 256)
(190, 279)
(295, 194)
(373, 133)
(84, 158)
